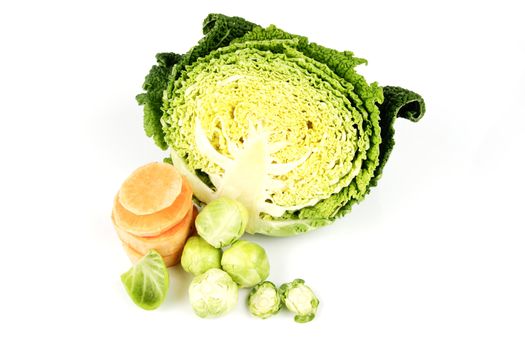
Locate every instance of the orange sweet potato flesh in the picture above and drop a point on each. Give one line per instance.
(168, 242)
(193, 228)
(134, 256)
(153, 224)
(150, 188)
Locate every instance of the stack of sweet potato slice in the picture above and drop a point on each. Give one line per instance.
(154, 210)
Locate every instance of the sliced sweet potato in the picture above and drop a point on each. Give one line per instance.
(150, 188)
(134, 256)
(168, 242)
(153, 224)
(193, 229)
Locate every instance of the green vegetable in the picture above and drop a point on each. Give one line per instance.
(154, 84)
(300, 300)
(285, 126)
(222, 222)
(213, 293)
(198, 256)
(147, 281)
(264, 300)
(246, 262)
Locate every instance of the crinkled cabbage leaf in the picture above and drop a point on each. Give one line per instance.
(286, 127)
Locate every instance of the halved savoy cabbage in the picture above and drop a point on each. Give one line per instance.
(286, 127)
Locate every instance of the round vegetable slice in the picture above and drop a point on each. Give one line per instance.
(299, 299)
(168, 242)
(150, 188)
(135, 256)
(153, 224)
(193, 228)
(264, 300)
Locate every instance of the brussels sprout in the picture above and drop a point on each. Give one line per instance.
(222, 222)
(300, 300)
(198, 256)
(147, 281)
(264, 300)
(246, 262)
(213, 293)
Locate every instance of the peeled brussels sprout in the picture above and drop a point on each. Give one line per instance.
(222, 222)
(300, 300)
(213, 293)
(147, 281)
(246, 262)
(199, 256)
(264, 300)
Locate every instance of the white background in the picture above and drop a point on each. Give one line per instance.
(432, 259)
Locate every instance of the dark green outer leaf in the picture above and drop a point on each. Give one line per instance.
(398, 103)
(154, 84)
